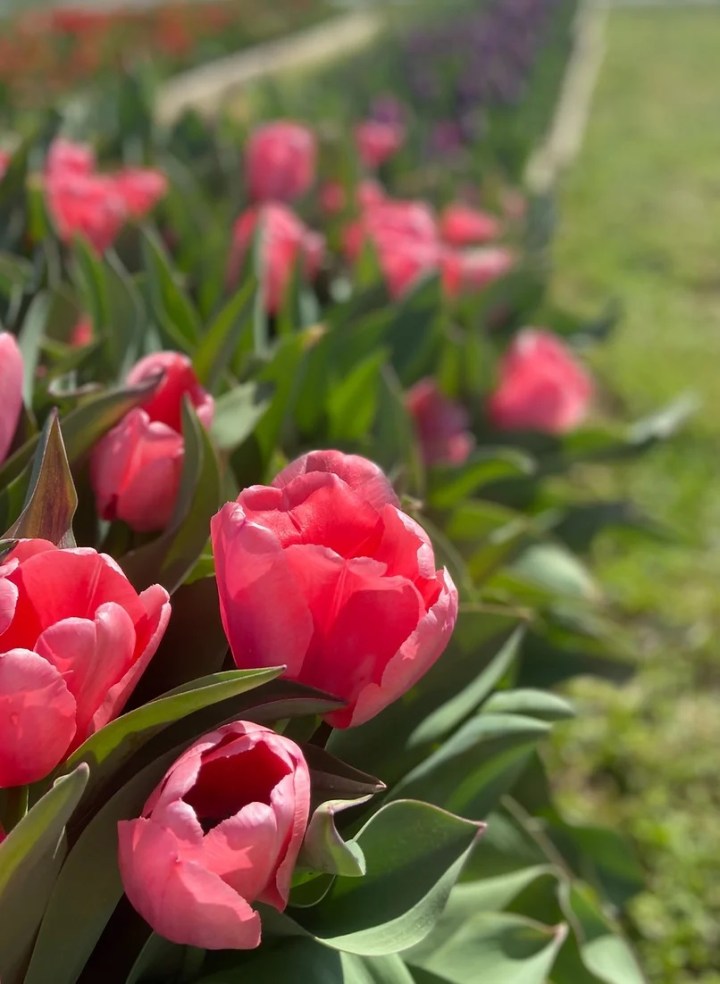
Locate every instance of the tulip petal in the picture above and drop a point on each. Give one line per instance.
(290, 800)
(413, 659)
(37, 717)
(181, 900)
(264, 615)
(8, 601)
(91, 656)
(243, 849)
(149, 631)
(364, 477)
(361, 618)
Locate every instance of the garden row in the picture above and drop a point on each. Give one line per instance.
(301, 382)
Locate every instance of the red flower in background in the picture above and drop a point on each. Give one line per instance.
(136, 467)
(468, 271)
(280, 162)
(140, 189)
(541, 386)
(377, 141)
(441, 424)
(285, 241)
(461, 225)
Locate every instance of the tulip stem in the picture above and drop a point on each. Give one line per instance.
(15, 806)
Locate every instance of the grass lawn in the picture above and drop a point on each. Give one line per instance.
(640, 220)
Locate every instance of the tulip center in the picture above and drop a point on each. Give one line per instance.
(227, 783)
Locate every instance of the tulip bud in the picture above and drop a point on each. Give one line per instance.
(441, 424)
(280, 162)
(285, 241)
(221, 831)
(135, 469)
(377, 141)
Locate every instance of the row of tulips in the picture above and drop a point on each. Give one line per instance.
(58, 49)
(290, 571)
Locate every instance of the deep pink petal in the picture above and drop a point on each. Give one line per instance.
(364, 477)
(92, 656)
(37, 718)
(361, 618)
(265, 617)
(414, 658)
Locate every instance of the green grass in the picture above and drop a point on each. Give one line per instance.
(640, 220)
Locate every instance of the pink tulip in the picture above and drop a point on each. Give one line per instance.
(11, 384)
(377, 142)
(68, 157)
(140, 189)
(85, 204)
(82, 332)
(5, 159)
(461, 225)
(468, 271)
(332, 197)
(541, 386)
(441, 424)
(75, 637)
(323, 571)
(405, 236)
(280, 162)
(369, 193)
(221, 831)
(135, 469)
(285, 241)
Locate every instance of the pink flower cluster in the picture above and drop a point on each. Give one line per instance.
(83, 201)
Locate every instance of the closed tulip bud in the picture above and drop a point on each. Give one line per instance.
(87, 205)
(441, 424)
(221, 831)
(280, 162)
(285, 241)
(11, 384)
(378, 141)
(75, 637)
(461, 225)
(541, 386)
(140, 189)
(136, 467)
(364, 611)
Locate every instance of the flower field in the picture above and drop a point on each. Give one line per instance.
(294, 565)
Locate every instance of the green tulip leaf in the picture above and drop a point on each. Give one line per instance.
(414, 853)
(30, 860)
(310, 962)
(491, 947)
